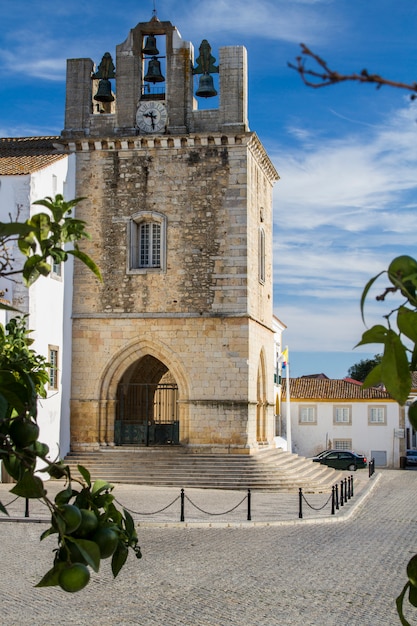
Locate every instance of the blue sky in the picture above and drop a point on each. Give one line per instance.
(347, 155)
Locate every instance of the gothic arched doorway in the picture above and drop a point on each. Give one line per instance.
(147, 405)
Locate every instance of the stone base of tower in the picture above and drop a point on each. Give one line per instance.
(212, 427)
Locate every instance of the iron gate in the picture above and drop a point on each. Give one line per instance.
(146, 414)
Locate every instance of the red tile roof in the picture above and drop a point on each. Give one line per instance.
(24, 155)
(331, 389)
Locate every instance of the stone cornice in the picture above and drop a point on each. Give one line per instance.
(197, 140)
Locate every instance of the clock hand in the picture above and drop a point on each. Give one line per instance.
(152, 117)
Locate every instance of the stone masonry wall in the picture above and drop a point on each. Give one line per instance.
(205, 315)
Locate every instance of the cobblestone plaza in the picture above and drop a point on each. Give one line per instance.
(294, 573)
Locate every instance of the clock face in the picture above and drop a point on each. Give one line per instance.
(151, 117)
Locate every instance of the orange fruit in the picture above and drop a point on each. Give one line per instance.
(107, 540)
(23, 431)
(89, 523)
(74, 577)
(412, 570)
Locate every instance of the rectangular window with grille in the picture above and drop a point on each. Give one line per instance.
(53, 368)
(342, 444)
(149, 244)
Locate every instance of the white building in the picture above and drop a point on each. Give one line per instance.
(29, 172)
(340, 414)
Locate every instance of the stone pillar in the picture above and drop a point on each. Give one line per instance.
(233, 89)
(128, 81)
(78, 97)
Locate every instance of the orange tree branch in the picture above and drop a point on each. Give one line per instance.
(325, 76)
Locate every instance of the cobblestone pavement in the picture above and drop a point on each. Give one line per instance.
(293, 573)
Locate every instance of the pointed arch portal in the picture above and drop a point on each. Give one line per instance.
(147, 405)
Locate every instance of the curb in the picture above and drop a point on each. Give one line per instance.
(342, 516)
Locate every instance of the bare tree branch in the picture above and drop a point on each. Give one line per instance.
(325, 76)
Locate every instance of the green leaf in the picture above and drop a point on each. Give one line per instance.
(6, 307)
(64, 496)
(50, 531)
(11, 229)
(14, 392)
(407, 323)
(374, 377)
(101, 485)
(87, 261)
(376, 334)
(365, 292)
(85, 474)
(51, 578)
(119, 558)
(89, 550)
(29, 486)
(399, 602)
(3, 509)
(129, 523)
(395, 370)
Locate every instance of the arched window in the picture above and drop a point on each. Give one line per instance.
(147, 242)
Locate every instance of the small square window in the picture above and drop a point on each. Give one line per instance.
(307, 415)
(342, 415)
(377, 415)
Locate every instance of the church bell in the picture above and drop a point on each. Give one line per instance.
(150, 46)
(104, 93)
(206, 87)
(154, 74)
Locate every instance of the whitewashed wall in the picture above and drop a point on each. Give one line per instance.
(309, 439)
(48, 301)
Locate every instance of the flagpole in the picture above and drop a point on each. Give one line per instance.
(288, 402)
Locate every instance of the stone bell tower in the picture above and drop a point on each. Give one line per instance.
(176, 345)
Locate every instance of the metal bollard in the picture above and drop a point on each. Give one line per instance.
(249, 507)
(27, 507)
(341, 493)
(300, 503)
(182, 519)
(346, 498)
(336, 488)
(333, 501)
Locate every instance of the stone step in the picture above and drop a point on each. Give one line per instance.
(273, 470)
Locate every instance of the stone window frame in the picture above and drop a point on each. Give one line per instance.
(139, 218)
(377, 422)
(53, 358)
(342, 422)
(307, 422)
(342, 444)
(56, 270)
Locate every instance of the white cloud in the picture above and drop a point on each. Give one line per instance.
(280, 20)
(343, 209)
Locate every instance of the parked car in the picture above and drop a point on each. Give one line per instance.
(342, 459)
(411, 457)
